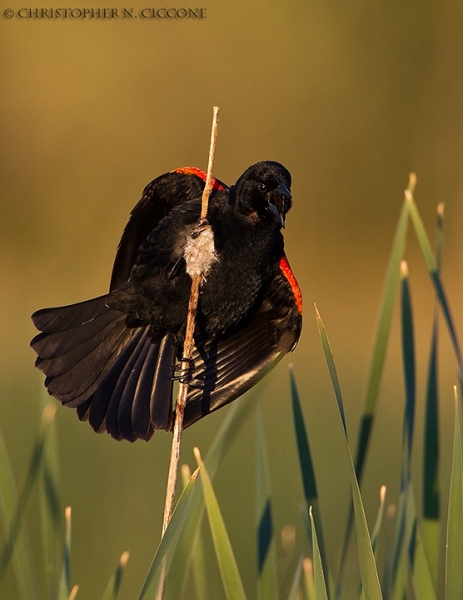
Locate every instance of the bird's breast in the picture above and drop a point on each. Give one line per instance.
(236, 282)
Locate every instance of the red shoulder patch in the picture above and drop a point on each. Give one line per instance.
(216, 184)
(286, 270)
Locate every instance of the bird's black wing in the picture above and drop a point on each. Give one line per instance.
(231, 365)
(117, 377)
(159, 197)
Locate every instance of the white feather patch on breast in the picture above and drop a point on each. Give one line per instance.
(200, 252)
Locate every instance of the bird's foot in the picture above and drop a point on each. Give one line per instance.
(185, 374)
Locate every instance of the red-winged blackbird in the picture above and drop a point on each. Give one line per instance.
(113, 357)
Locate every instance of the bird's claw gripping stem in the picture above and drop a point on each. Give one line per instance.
(185, 374)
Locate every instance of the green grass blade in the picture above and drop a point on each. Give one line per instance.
(178, 576)
(408, 353)
(65, 581)
(430, 488)
(403, 523)
(309, 483)
(17, 514)
(318, 575)
(169, 541)
(434, 273)
(327, 574)
(332, 369)
(377, 530)
(379, 520)
(227, 433)
(383, 328)
(50, 501)
(381, 339)
(409, 551)
(391, 513)
(23, 563)
(368, 571)
(114, 584)
(431, 437)
(422, 580)
(191, 514)
(192, 517)
(398, 576)
(228, 568)
(195, 556)
(187, 559)
(338, 395)
(306, 464)
(267, 580)
(453, 567)
(199, 567)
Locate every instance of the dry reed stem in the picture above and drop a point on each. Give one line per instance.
(187, 352)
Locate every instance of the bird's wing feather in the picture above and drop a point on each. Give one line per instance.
(117, 373)
(159, 197)
(135, 398)
(231, 365)
(118, 377)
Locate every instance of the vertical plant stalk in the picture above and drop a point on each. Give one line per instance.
(187, 352)
(189, 342)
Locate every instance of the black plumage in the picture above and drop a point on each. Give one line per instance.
(112, 358)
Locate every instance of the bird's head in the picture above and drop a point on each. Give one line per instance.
(264, 189)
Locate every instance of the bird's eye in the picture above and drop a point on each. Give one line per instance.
(262, 187)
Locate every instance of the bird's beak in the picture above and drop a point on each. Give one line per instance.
(277, 202)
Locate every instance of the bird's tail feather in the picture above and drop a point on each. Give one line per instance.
(116, 376)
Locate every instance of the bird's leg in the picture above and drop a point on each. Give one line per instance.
(185, 374)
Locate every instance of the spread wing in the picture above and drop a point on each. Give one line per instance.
(159, 197)
(229, 366)
(119, 377)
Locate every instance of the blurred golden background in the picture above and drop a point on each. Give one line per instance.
(350, 96)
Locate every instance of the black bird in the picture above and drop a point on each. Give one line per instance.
(114, 357)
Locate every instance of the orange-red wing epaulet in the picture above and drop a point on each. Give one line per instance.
(216, 184)
(286, 270)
